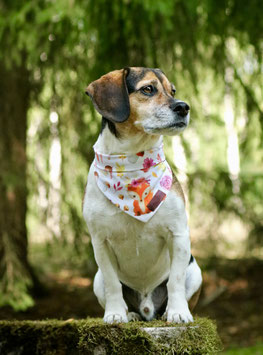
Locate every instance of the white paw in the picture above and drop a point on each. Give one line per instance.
(133, 316)
(111, 318)
(174, 316)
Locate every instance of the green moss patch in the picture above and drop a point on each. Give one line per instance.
(93, 336)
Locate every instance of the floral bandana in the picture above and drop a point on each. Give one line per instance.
(137, 184)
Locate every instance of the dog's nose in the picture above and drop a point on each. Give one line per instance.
(181, 108)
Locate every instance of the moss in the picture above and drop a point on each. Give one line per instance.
(84, 336)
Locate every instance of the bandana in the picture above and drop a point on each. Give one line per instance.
(137, 184)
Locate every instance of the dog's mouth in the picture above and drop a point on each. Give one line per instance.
(180, 124)
(175, 125)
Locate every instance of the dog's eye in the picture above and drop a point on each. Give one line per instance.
(173, 92)
(147, 90)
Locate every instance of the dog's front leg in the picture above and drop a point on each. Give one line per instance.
(177, 310)
(115, 307)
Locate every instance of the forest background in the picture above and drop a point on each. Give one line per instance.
(49, 52)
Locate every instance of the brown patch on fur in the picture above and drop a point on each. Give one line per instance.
(194, 299)
(114, 76)
(128, 128)
(167, 85)
(177, 187)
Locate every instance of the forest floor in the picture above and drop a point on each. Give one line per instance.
(232, 295)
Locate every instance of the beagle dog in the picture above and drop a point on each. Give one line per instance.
(134, 206)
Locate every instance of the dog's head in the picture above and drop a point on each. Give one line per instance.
(141, 99)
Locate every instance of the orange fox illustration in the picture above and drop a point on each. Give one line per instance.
(140, 191)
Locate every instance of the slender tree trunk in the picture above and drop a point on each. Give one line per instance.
(15, 273)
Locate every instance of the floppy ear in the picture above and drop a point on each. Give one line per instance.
(110, 96)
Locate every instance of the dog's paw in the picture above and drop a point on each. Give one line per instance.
(111, 318)
(174, 316)
(133, 316)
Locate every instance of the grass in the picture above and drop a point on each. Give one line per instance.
(253, 350)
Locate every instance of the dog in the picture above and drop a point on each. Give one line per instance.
(141, 243)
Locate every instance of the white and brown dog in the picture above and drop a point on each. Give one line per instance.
(146, 268)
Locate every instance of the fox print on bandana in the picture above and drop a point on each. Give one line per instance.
(140, 191)
(137, 184)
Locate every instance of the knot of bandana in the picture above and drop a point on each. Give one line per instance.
(137, 184)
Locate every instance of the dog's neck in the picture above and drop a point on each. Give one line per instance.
(108, 143)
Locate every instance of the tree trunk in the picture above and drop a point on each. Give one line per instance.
(15, 273)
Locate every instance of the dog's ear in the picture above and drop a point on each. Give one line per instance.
(110, 96)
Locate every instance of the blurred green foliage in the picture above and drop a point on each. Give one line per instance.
(65, 44)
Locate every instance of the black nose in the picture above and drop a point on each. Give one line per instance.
(181, 108)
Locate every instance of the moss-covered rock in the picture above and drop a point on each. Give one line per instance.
(92, 336)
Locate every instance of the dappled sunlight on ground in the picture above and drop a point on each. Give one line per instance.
(233, 295)
(67, 278)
